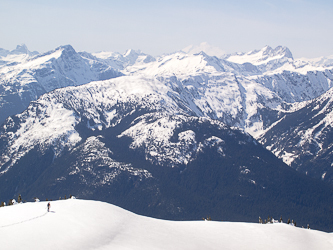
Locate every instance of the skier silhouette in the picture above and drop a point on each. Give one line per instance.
(48, 206)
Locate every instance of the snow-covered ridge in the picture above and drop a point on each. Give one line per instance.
(18, 55)
(26, 80)
(155, 137)
(84, 224)
(121, 61)
(262, 56)
(51, 120)
(298, 140)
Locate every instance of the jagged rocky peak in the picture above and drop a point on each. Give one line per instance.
(132, 56)
(132, 53)
(65, 51)
(263, 56)
(281, 51)
(20, 49)
(23, 49)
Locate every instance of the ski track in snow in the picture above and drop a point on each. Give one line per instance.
(83, 224)
(16, 223)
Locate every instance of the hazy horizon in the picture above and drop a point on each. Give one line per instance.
(158, 27)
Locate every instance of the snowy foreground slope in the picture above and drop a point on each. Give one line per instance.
(81, 224)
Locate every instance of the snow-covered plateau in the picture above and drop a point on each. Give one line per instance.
(85, 224)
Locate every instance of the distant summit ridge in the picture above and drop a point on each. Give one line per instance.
(23, 49)
(19, 50)
(263, 56)
(268, 51)
(204, 47)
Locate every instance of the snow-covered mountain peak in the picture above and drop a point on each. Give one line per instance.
(121, 61)
(137, 57)
(36, 62)
(105, 54)
(16, 56)
(20, 49)
(205, 47)
(282, 51)
(179, 64)
(263, 56)
(23, 49)
(66, 47)
(132, 53)
(323, 61)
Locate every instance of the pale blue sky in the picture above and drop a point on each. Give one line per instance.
(158, 27)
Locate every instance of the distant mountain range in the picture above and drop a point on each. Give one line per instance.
(174, 136)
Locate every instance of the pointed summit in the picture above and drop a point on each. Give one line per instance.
(22, 49)
(132, 53)
(278, 51)
(66, 48)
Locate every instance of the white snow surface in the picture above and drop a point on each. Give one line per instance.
(82, 224)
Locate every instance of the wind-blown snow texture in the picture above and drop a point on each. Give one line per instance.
(77, 224)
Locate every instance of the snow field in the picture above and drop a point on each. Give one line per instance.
(83, 224)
